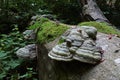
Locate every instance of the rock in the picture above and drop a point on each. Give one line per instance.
(27, 52)
(79, 45)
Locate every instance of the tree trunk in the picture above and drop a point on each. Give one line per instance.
(74, 70)
(92, 12)
(58, 70)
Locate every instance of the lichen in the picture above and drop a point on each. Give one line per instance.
(102, 27)
(49, 30)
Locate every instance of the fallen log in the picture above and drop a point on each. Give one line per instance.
(50, 69)
(74, 70)
(92, 12)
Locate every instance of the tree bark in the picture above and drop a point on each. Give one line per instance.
(92, 12)
(58, 70)
(74, 70)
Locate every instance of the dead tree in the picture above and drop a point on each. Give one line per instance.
(92, 12)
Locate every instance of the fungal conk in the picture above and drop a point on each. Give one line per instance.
(79, 45)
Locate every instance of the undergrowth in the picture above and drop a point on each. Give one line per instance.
(11, 67)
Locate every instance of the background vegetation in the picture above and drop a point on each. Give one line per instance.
(67, 11)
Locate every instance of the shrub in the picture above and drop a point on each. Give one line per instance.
(10, 65)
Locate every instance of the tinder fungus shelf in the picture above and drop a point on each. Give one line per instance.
(79, 44)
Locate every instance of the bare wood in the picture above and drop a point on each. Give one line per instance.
(91, 11)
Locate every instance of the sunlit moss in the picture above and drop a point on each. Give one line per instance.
(49, 30)
(102, 27)
(38, 23)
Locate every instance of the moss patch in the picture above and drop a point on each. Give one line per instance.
(49, 30)
(102, 27)
(61, 40)
(38, 23)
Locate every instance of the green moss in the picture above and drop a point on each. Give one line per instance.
(102, 27)
(38, 23)
(61, 40)
(49, 30)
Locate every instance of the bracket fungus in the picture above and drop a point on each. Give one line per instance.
(79, 45)
(27, 52)
(29, 34)
(61, 53)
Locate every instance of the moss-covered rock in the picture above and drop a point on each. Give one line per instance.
(49, 30)
(102, 27)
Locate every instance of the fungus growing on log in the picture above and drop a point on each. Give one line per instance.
(79, 45)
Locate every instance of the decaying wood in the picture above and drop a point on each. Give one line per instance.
(91, 11)
(74, 70)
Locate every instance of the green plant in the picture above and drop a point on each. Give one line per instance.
(9, 63)
(28, 74)
(61, 40)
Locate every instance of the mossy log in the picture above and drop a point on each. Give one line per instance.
(58, 70)
(74, 70)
